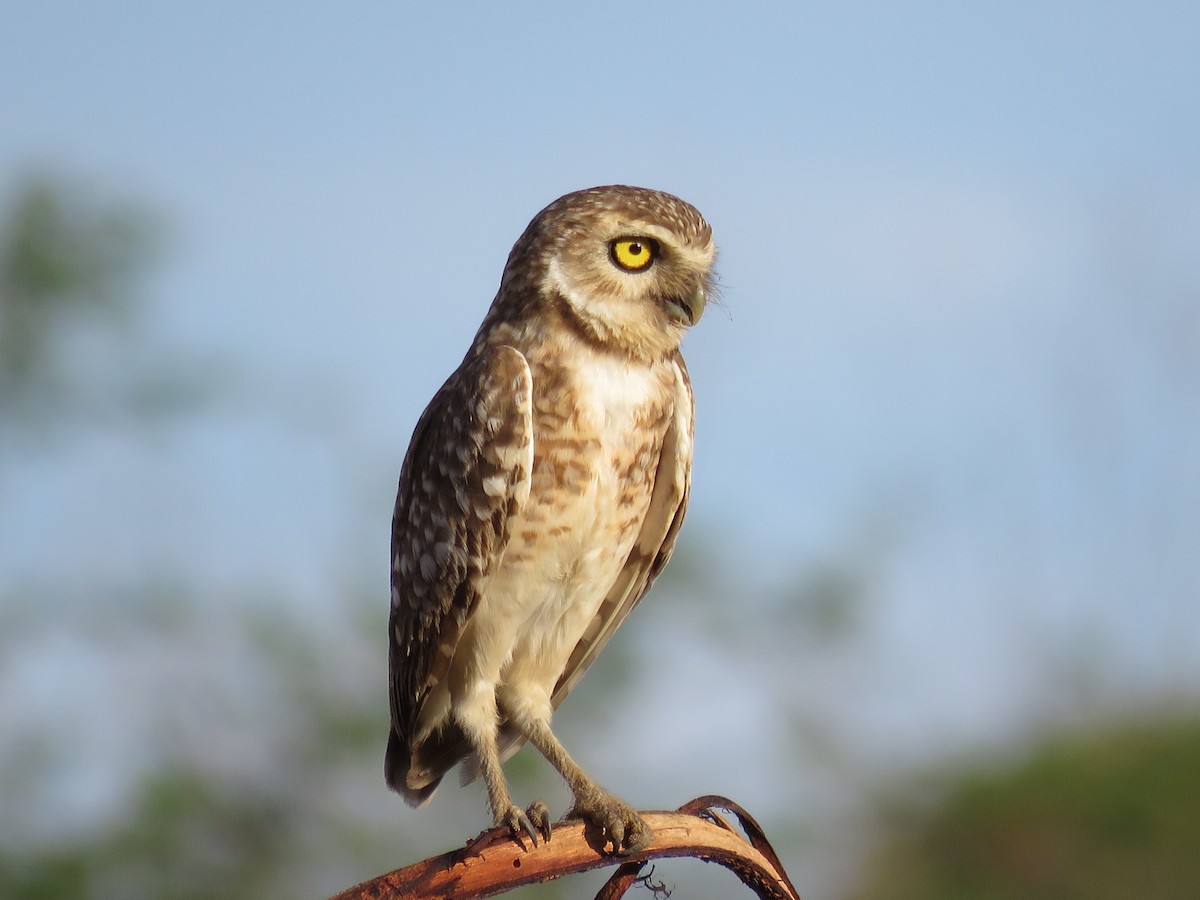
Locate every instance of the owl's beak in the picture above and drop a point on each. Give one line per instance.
(687, 310)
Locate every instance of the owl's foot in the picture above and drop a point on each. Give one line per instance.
(618, 823)
(534, 822)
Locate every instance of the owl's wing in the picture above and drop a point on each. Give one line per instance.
(655, 541)
(466, 473)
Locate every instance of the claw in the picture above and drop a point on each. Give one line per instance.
(539, 814)
(616, 832)
(518, 823)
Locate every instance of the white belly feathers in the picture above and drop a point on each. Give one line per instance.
(570, 541)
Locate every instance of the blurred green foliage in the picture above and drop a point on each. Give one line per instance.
(1114, 813)
(185, 837)
(73, 263)
(67, 261)
(194, 825)
(74, 353)
(62, 254)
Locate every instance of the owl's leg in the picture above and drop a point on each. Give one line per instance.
(478, 721)
(619, 822)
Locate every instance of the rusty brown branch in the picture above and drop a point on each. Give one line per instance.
(494, 863)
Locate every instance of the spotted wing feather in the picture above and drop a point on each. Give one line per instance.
(466, 474)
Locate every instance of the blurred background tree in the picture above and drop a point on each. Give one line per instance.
(1108, 813)
(72, 272)
(60, 257)
(74, 361)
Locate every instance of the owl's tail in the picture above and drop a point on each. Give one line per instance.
(415, 786)
(414, 772)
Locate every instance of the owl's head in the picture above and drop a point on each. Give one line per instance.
(628, 268)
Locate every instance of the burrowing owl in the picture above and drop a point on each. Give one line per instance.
(542, 493)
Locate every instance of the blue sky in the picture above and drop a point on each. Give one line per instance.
(959, 266)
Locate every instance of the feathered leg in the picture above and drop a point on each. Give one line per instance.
(619, 822)
(478, 723)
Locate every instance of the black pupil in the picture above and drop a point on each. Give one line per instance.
(635, 249)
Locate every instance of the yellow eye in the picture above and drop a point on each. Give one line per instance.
(633, 254)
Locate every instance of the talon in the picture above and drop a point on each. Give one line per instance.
(518, 824)
(616, 832)
(539, 814)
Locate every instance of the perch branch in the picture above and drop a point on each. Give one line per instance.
(494, 862)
